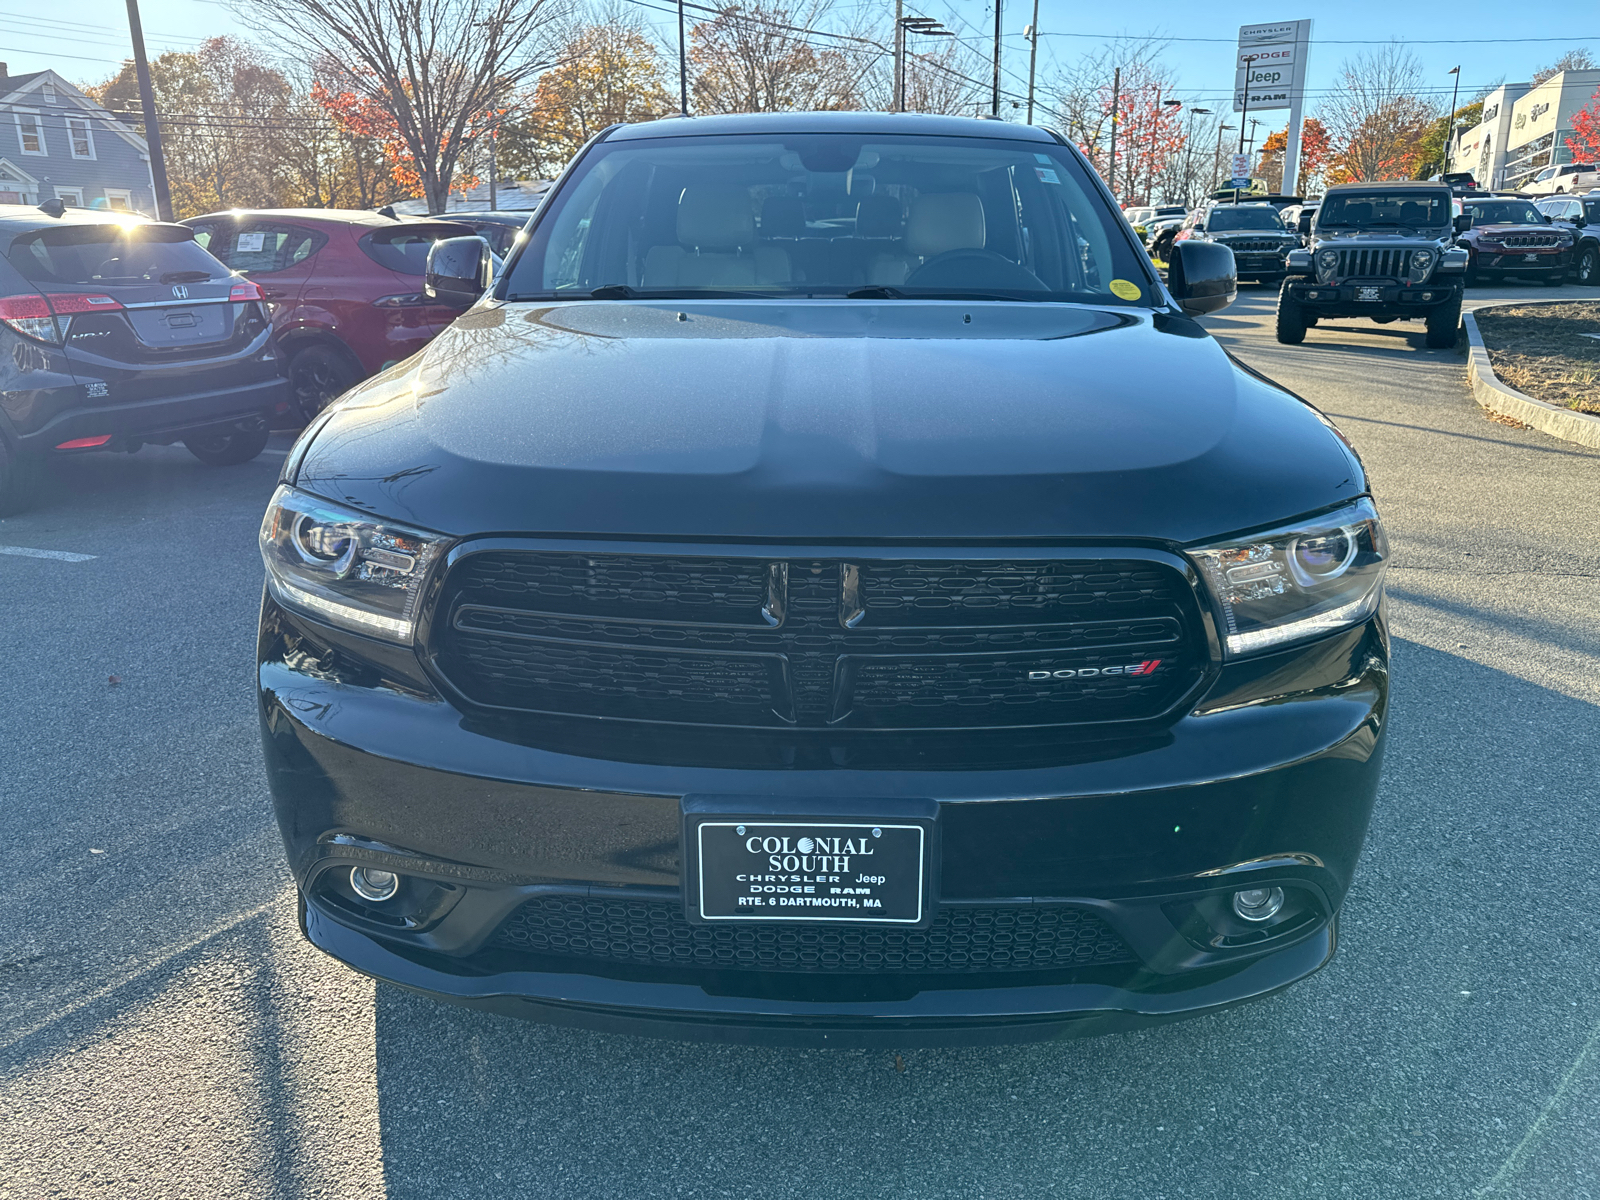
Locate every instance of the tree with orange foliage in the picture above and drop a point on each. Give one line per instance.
(607, 73)
(439, 69)
(1315, 149)
(1585, 140)
(361, 115)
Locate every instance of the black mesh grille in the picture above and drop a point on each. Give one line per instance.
(1256, 246)
(960, 940)
(818, 643)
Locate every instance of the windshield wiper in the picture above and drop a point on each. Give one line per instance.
(878, 292)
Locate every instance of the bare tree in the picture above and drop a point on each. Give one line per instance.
(438, 67)
(1377, 118)
(757, 57)
(1131, 75)
(1572, 60)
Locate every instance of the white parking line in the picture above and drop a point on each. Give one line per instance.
(30, 552)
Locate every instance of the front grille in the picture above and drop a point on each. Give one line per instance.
(960, 940)
(818, 643)
(1256, 246)
(1374, 263)
(1529, 241)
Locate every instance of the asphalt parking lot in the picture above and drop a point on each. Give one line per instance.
(164, 1032)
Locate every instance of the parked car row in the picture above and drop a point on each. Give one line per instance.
(117, 332)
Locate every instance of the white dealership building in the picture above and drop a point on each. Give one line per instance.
(1524, 129)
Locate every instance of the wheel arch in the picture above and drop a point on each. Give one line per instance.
(296, 340)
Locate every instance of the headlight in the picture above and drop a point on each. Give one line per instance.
(1327, 259)
(343, 566)
(1301, 581)
(1421, 260)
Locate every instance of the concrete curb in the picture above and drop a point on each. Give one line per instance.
(1583, 428)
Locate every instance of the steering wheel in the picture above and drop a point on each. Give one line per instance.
(971, 267)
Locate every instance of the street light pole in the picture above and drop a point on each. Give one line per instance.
(1450, 145)
(1188, 151)
(1245, 110)
(152, 124)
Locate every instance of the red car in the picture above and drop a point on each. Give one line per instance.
(344, 287)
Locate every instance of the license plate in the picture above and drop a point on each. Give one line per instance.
(777, 869)
(1369, 293)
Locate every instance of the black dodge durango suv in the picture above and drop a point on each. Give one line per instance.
(116, 331)
(828, 590)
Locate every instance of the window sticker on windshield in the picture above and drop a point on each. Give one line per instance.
(1046, 175)
(250, 243)
(1043, 158)
(1125, 290)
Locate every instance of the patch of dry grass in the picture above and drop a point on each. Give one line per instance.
(1540, 349)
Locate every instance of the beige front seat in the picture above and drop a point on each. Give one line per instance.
(937, 224)
(716, 245)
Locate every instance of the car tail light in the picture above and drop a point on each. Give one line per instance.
(85, 443)
(246, 290)
(69, 304)
(30, 316)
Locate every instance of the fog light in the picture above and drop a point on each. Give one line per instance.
(1253, 904)
(1311, 295)
(372, 884)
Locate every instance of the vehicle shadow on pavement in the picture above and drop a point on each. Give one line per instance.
(1451, 1045)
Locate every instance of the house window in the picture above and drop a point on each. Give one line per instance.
(119, 199)
(70, 199)
(31, 133)
(81, 137)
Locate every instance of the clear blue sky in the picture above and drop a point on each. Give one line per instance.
(86, 39)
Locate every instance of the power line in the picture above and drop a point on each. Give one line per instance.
(1161, 37)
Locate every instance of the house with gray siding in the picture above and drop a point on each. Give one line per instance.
(57, 143)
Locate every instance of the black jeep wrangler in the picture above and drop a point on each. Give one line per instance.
(1380, 250)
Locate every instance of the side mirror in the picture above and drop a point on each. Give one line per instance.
(1305, 224)
(1202, 277)
(1578, 222)
(459, 270)
(1463, 223)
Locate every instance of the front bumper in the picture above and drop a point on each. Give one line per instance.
(1374, 297)
(1538, 262)
(1268, 781)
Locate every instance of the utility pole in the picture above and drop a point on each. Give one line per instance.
(1116, 98)
(994, 107)
(899, 57)
(1033, 56)
(152, 124)
(683, 65)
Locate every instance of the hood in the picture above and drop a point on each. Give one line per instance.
(1512, 227)
(826, 421)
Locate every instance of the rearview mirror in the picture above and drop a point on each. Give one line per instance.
(1202, 277)
(459, 270)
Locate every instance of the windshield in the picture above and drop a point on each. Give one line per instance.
(1411, 208)
(831, 215)
(108, 255)
(1504, 212)
(1223, 219)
